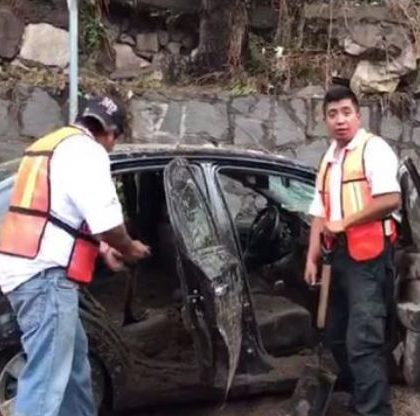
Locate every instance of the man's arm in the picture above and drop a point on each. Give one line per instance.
(314, 250)
(119, 239)
(380, 207)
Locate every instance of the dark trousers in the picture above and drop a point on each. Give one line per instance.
(360, 309)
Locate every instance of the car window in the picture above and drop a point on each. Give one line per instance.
(246, 193)
(293, 195)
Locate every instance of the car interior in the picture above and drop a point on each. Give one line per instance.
(268, 213)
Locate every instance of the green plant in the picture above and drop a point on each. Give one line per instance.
(242, 87)
(92, 29)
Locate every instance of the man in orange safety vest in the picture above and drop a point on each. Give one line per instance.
(356, 193)
(63, 213)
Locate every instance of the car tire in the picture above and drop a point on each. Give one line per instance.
(11, 366)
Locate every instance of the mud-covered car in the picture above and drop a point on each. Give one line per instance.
(221, 308)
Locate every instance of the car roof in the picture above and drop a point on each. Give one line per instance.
(129, 152)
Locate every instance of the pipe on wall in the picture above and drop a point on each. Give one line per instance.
(74, 59)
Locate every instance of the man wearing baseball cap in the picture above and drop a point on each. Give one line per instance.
(64, 213)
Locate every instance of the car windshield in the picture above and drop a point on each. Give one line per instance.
(7, 174)
(294, 195)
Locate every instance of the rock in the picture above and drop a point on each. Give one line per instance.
(190, 6)
(391, 127)
(262, 17)
(147, 117)
(285, 129)
(11, 31)
(129, 73)
(45, 44)
(353, 48)
(148, 42)
(188, 42)
(40, 114)
(311, 91)
(416, 136)
(127, 39)
(262, 109)
(383, 77)
(11, 144)
(126, 59)
(411, 361)
(171, 123)
(174, 48)
(249, 132)
(361, 12)
(205, 121)
(316, 125)
(244, 105)
(163, 37)
(379, 41)
(176, 35)
(299, 110)
(311, 153)
(365, 117)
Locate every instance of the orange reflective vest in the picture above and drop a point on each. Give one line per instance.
(30, 211)
(366, 241)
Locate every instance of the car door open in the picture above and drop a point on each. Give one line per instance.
(211, 279)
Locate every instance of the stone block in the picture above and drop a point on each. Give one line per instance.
(174, 48)
(316, 125)
(127, 39)
(205, 120)
(11, 31)
(148, 42)
(125, 58)
(147, 118)
(285, 128)
(163, 37)
(416, 136)
(391, 127)
(249, 132)
(262, 17)
(11, 144)
(311, 91)
(45, 44)
(171, 123)
(244, 105)
(40, 114)
(311, 153)
(299, 109)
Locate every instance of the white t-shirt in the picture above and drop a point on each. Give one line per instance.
(81, 190)
(381, 165)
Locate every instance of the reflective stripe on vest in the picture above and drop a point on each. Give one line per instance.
(30, 210)
(365, 241)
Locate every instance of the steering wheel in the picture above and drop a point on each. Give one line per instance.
(264, 228)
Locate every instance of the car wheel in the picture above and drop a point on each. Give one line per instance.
(11, 366)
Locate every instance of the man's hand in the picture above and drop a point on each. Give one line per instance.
(335, 227)
(114, 259)
(311, 271)
(138, 251)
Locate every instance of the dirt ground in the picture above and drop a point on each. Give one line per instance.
(405, 402)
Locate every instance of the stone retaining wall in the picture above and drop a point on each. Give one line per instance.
(292, 126)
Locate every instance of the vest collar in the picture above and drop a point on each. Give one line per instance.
(354, 142)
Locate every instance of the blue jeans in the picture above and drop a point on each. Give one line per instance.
(56, 380)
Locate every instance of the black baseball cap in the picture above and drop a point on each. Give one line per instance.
(107, 111)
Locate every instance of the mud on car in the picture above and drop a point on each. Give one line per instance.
(221, 308)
